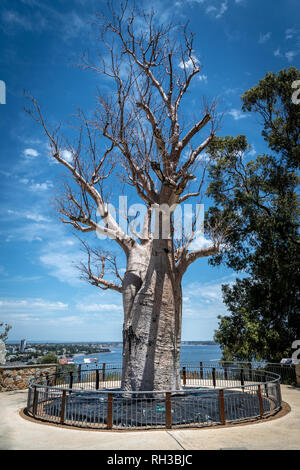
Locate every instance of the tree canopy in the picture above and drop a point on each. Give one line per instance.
(4, 329)
(258, 198)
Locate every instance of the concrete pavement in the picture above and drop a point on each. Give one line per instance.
(17, 433)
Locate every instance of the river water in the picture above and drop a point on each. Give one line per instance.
(189, 353)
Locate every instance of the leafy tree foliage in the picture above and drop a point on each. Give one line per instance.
(49, 358)
(258, 199)
(4, 329)
(271, 99)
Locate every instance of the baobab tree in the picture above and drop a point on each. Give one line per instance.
(141, 132)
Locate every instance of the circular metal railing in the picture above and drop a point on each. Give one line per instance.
(216, 394)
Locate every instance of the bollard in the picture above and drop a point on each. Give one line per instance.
(168, 410)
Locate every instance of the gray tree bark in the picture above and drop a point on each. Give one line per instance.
(152, 301)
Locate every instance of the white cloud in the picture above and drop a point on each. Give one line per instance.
(41, 186)
(188, 64)
(61, 266)
(67, 155)
(210, 9)
(24, 180)
(237, 114)
(290, 33)
(68, 24)
(264, 37)
(35, 231)
(290, 55)
(32, 215)
(200, 242)
(61, 257)
(252, 152)
(21, 305)
(36, 217)
(217, 12)
(277, 53)
(19, 278)
(233, 91)
(31, 153)
(223, 9)
(12, 18)
(98, 307)
(202, 78)
(203, 301)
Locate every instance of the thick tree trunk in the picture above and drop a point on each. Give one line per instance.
(152, 320)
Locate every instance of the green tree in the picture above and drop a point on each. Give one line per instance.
(4, 329)
(49, 358)
(258, 200)
(272, 100)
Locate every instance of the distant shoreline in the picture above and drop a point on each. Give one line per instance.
(108, 343)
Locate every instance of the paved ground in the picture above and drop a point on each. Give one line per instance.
(18, 433)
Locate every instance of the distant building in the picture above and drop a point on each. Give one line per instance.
(22, 345)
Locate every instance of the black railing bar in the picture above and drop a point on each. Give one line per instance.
(155, 392)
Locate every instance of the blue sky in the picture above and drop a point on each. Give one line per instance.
(41, 295)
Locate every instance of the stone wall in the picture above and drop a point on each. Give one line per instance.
(18, 377)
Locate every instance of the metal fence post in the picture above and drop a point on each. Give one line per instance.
(35, 401)
(201, 370)
(168, 410)
(214, 376)
(63, 407)
(71, 380)
(109, 410)
(79, 373)
(279, 399)
(103, 371)
(184, 375)
(261, 406)
(222, 407)
(266, 385)
(242, 378)
(225, 373)
(97, 379)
